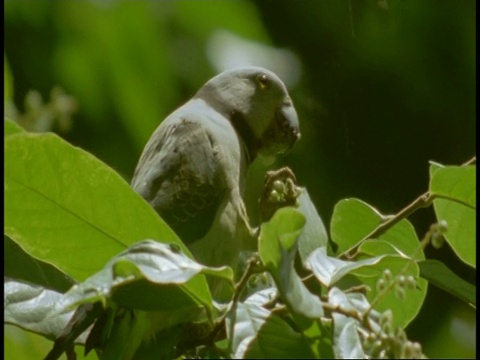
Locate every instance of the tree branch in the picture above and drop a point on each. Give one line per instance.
(422, 201)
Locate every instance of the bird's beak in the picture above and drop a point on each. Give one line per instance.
(287, 121)
(283, 132)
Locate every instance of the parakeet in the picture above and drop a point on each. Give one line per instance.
(192, 170)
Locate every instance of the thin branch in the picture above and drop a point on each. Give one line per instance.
(351, 313)
(424, 200)
(252, 266)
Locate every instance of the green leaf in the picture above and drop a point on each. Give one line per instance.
(461, 233)
(405, 310)
(142, 274)
(346, 340)
(320, 335)
(353, 220)
(458, 186)
(21, 266)
(438, 274)
(286, 225)
(144, 290)
(314, 234)
(434, 166)
(277, 249)
(262, 297)
(401, 240)
(329, 270)
(258, 333)
(455, 182)
(374, 247)
(125, 334)
(65, 206)
(10, 127)
(35, 309)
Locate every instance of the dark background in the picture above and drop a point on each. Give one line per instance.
(385, 87)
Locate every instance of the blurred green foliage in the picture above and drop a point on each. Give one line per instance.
(385, 87)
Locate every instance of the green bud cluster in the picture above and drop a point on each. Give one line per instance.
(401, 283)
(388, 343)
(438, 230)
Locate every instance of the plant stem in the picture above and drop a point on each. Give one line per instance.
(422, 201)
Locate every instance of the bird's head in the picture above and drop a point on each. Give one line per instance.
(259, 107)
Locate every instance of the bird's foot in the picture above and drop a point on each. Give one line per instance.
(280, 190)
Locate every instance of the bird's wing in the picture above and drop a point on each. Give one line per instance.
(179, 176)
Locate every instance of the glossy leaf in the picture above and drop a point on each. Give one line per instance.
(258, 333)
(346, 340)
(329, 270)
(142, 274)
(35, 309)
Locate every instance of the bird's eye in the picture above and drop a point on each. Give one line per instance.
(262, 81)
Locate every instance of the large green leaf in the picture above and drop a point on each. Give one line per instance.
(144, 290)
(65, 207)
(457, 187)
(10, 127)
(21, 266)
